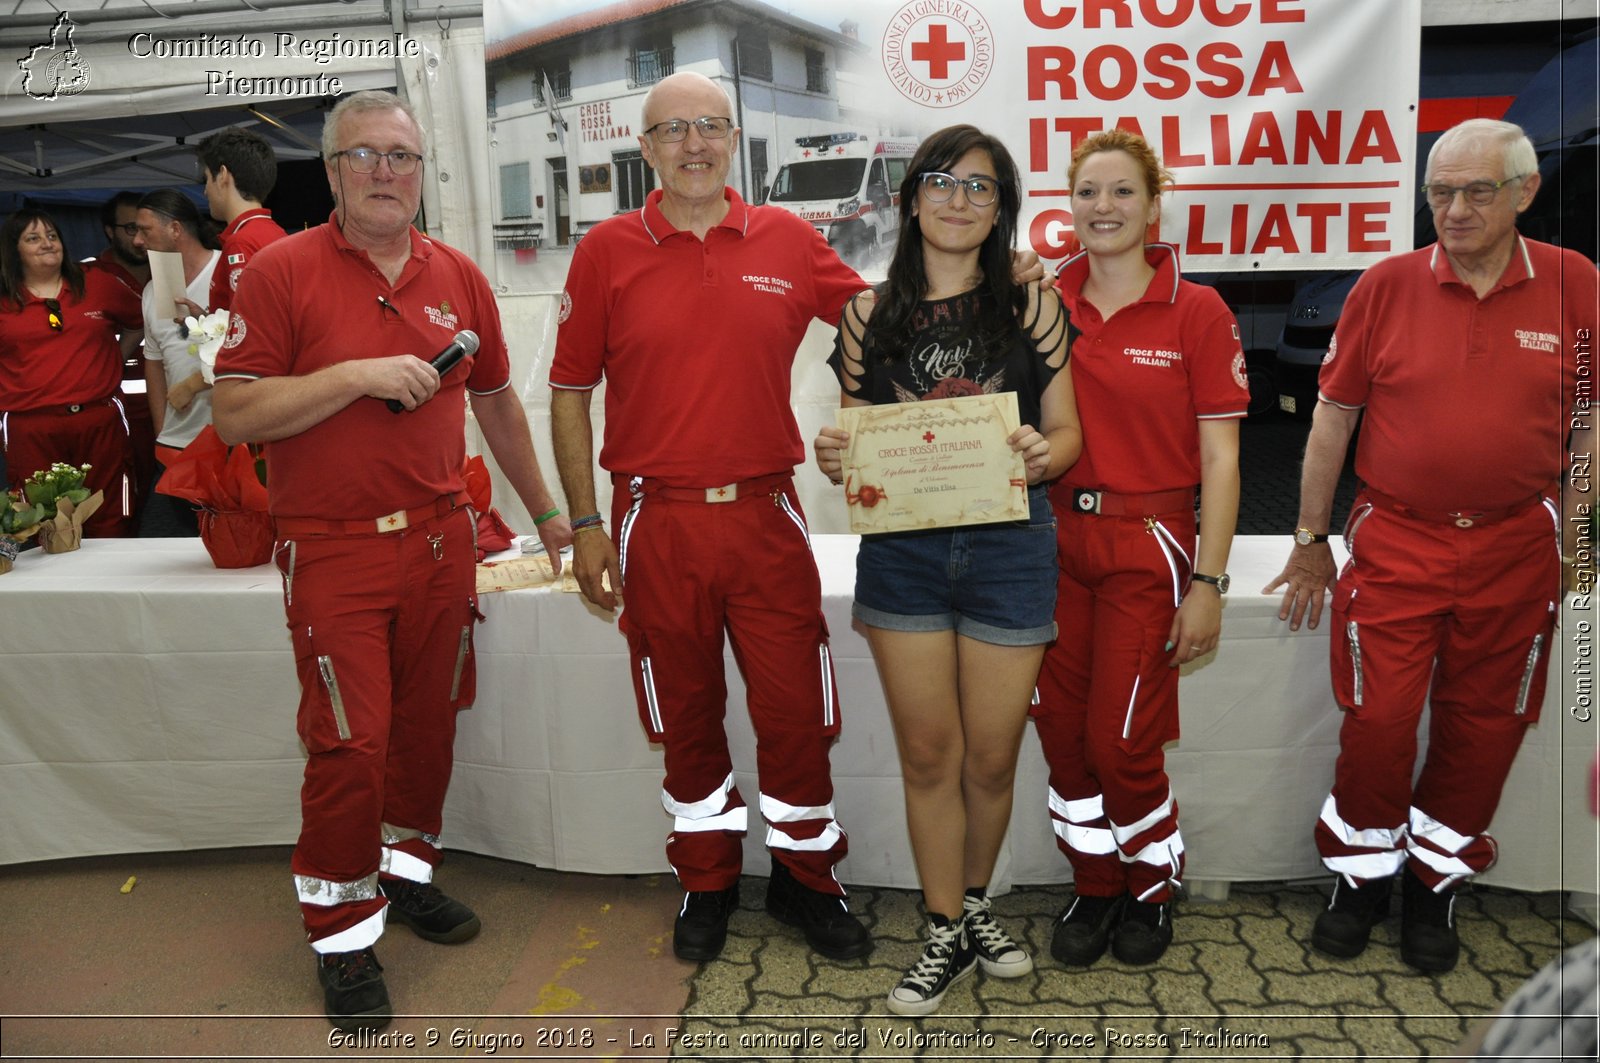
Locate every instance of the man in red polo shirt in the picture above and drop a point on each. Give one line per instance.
(691, 309)
(120, 257)
(240, 170)
(1463, 356)
(375, 542)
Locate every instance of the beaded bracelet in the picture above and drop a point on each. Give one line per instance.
(541, 518)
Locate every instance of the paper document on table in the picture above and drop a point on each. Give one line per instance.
(935, 464)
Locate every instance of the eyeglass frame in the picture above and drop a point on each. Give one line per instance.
(1467, 191)
(129, 228)
(963, 183)
(697, 123)
(381, 156)
(52, 309)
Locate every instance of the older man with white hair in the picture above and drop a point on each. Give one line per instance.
(330, 339)
(1464, 356)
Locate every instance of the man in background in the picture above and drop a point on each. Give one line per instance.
(122, 257)
(240, 170)
(178, 396)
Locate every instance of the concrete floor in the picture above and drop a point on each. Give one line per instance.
(204, 959)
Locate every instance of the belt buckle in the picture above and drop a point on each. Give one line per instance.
(1086, 502)
(725, 493)
(393, 522)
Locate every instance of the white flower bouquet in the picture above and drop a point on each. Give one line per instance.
(206, 334)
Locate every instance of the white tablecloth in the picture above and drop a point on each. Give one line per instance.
(148, 704)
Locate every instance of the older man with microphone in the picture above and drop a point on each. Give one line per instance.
(332, 329)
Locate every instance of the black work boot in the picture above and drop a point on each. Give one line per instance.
(1428, 939)
(1144, 933)
(829, 927)
(701, 928)
(1345, 925)
(430, 914)
(353, 993)
(1083, 929)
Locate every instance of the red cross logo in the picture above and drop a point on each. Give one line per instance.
(722, 492)
(927, 437)
(939, 51)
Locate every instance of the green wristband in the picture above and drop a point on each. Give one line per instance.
(541, 518)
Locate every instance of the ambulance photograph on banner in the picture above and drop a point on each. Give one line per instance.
(1289, 125)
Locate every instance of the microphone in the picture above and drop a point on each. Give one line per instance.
(465, 343)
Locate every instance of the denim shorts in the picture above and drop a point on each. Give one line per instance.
(992, 582)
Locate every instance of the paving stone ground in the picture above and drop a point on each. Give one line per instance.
(1237, 983)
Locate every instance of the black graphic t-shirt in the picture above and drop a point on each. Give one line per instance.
(947, 362)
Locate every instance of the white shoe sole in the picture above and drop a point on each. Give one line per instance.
(1006, 968)
(928, 1005)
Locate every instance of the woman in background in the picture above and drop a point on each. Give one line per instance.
(61, 364)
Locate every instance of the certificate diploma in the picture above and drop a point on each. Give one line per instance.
(935, 464)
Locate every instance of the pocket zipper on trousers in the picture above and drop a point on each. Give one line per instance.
(335, 698)
(461, 661)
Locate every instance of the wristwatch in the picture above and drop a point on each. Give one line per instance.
(1221, 583)
(1305, 537)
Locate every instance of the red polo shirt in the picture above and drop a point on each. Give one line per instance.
(244, 236)
(1467, 400)
(311, 300)
(82, 362)
(107, 260)
(1145, 378)
(696, 338)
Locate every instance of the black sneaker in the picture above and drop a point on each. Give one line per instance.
(998, 955)
(1083, 929)
(353, 993)
(430, 914)
(947, 958)
(1144, 933)
(1428, 938)
(829, 927)
(701, 928)
(1344, 927)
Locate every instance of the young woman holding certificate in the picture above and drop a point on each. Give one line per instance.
(1161, 376)
(958, 618)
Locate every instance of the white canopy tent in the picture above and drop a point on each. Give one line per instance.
(117, 95)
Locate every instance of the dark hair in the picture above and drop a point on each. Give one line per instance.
(171, 203)
(11, 278)
(108, 209)
(247, 156)
(907, 281)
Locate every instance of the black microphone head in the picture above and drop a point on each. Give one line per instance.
(468, 340)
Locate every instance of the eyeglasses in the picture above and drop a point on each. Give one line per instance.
(128, 228)
(53, 310)
(675, 129)
(365, 160)
(940, 187)
(1478, 193)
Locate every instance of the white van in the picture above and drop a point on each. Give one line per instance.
(847, 185)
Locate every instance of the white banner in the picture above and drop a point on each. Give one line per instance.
(1289, 125)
